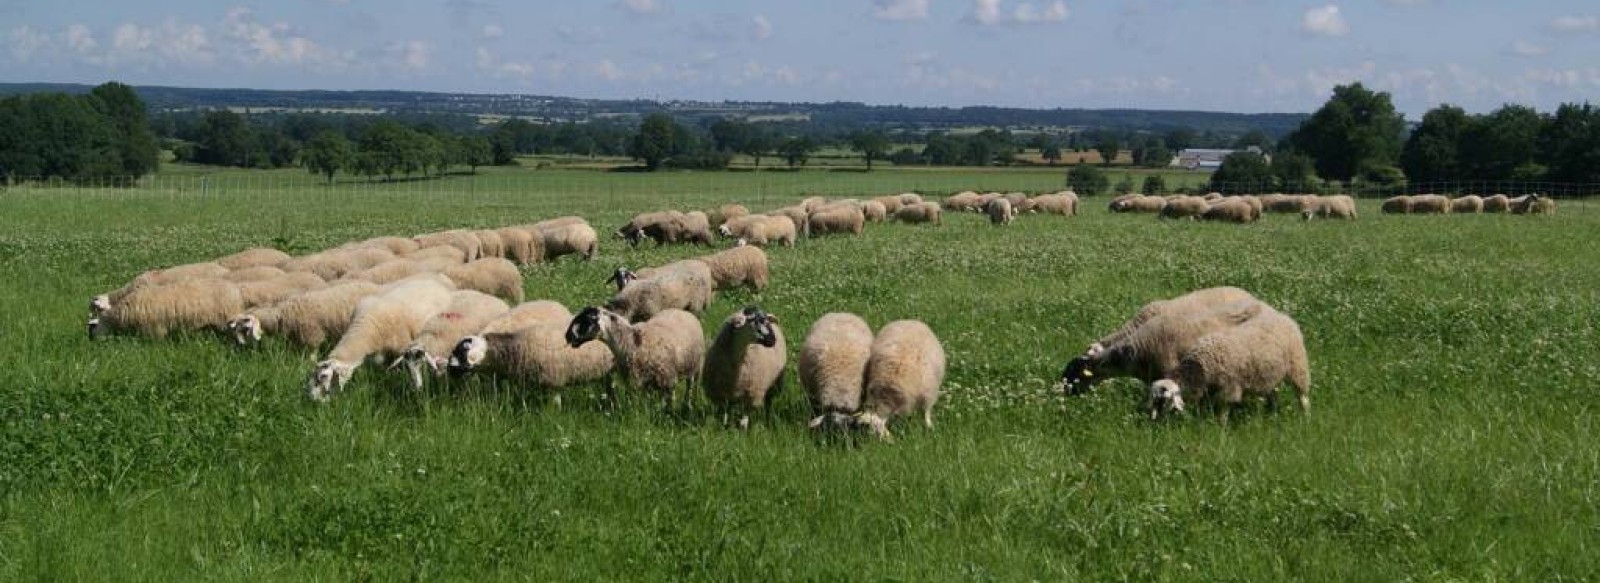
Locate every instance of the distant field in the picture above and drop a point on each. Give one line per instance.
(1452, 433)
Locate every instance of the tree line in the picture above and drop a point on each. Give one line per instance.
(103, 135)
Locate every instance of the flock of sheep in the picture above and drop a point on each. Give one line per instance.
(452, 301)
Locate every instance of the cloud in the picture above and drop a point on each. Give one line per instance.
(80, 39)
(900, 10)
(412, 55)
(1564, 78)
(761, 28)
(276, 44)
(1522, 48)
(492, 31)
(1324, 21)
(1405, 2)
(991, 13)
(607, 70)
(580, 36)
(25, 41)
(1573, 23)
(728, 28)
(640, 6)
(170, 43)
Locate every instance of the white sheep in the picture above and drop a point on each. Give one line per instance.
(1232, 210)
(1149, 345)
(1498, 203)
(910, 198)
(1253, 358)
(567, 236)
(308, 319)
(404, 267)
(459, 238)
(798, 216)
(890, 203)
(440, 253)
(493, 275)
(528, 314)
(334, 264)
(396, 245)
(653, 356)
(1467, 205)
(904, 372)
(875, 211)
(739, 266)
(489, 243)
(257, 273)
(536, 353)
(1000, 211)
(266, 292)
(744, 364)
(257, 257)
(833, 365)
(685, 285)
(1430, 204)
(1184, 207)
(469, 311)
(159, 309)
(762, 230)
(383, 325)
(521, 245)
(1330, 207)
(836, 219)
(926, 212)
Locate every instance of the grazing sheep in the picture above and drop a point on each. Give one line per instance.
(493, 276)
(890, 203)
(738, 266)
(685, 285)
(927, 212)
(1467, 205)
(633, 231)
(1231, 210)
(839, 219)
(726, 213)
(1151, 350)
(1331, 207)
(1281, 203)
(332, 265)
(308, 319)
(461, 239)
(875, 212)
(156, 310)
(489, 243)
(1533, 204)
(521, 246)
(1253, 201)
(910, 198)
(1213, 196)
(1139, 204)
(1253, 358)
(565, 237)
(812, 203)
(1396, 205)
(257, 274)
(1498, 203)
(396, 245)
(266, 292)
(1052, 204)
(652, 356)
(178, 273)
(528, 314)
(257, 257)
(1186, 305)
(744, 364)
(1016, 198)
(670, 227)
(382, 325)
(446, 252)
(398, 269)
(762, 230)
(1430, 204)
(1184, 207)
(833, 365)
(962, 202)
(904, 372)
(999, 211)
(537, 353)
(469, 311)
(797, 215)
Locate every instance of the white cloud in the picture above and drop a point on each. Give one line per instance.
(170, 43)
(761, 28)
(80, 39)
(26, 41)
(900, 9)
(1573, 23)
(607, 70)
(277, 44)
(492, 31)
(1406, 2)
(1324, 21)
(1522, 48)
(1564, 78)
(640, 6)
(986, 12)
(412, 55)
(991, 13)
(1054, 12)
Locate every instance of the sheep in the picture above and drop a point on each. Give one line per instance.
(744, 364)
(685, 285)
(567, 236)
(1213, 196)
(1467, 205)
(158, 309)
(739, 266)
(1252, 358)
(1052, 204)
(812, 203)
(445, 252)
(962, 201)
(1331, 207)
(840, 219)
(1139, 204)
(910, 198)
(874, 211)
(727, 212)
(1533, 204)
(762, 230)
(266, 292)
(833, 365)
(489, 243)
(652, 356)
(890, 203)
(334, 264)
(398, 269)
(382, 325)
(257, 257)
(904, 372)
(308, 319)
(469, 311)
(1150, 350)
(396, 245)
(492, 275)
(458, 238)
(1281, 203)
(1498, 203)
(521, 246)
(633, 230)
(1015, 198)
(669, 227)
(797, 215)
(1117, 203)
(1000, 211)
(1231, 210)
(528, 314)
(1195, 302)
(1184, 207)
(257, 273)
(1430, 204)
(1253, 201)
(178, 273)
(927, 212)
(537, 353)
(1396, 205)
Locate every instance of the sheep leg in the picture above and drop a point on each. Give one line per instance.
(556, 400)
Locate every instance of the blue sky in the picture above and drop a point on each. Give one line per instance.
(1225, 55)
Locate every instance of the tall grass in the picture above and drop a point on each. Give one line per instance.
(1454, 361)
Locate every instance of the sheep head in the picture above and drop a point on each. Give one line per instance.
(468, 354)
(1078, 376)
(245, 329)
(99, 305)
(874, 423)
(760, 324)
(96, 328)
(1165, 397)
(414, 358)
(328, 377)
(622, 277)
(588, 325)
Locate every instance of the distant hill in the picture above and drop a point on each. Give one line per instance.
(554, 108)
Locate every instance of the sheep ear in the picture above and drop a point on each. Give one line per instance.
(772, 318)
(815, 423)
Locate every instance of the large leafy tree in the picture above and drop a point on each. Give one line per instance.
(1242, 173)
(135, 144)
(1570, 144)
(655, 141)
(1433, 152)
(1087, 180)
(1503, 145)
(1356, 129)
(225, 139)
(327, 154)
(872, 144)
(1108, 149)
(796, 151)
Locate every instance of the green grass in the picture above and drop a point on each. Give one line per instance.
(1454, 365)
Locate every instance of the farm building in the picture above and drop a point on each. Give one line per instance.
(1208, 158)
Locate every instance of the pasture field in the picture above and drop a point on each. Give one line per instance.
(1452, 435)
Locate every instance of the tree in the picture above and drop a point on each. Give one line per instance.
(943, 150)
(1125, 186)
(503, 146)
(729, 135)
(134, 143)
(1569, 144)
(1433, 152)
(474, 151)
(387, 148)
(757, 143)
(328, 153)
(1051, 153)
(1156, 156)
(1356, 128)
(1293, 172)
(1180, 139)
(1242, 173)
(796, 151)
(1154, 184)
(1087, 180)
(224, 139)
(1108, 148)
(871, 143)
(654, 142)
(1502, 145)
(1255, 138)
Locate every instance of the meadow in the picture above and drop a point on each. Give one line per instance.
(1452, 435)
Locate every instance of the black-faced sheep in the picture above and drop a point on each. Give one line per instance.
(1150, 344)
(684, 285)
(653, 356)
(903, 375)
(744, 364)
(833, 365)
(1252, 359)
